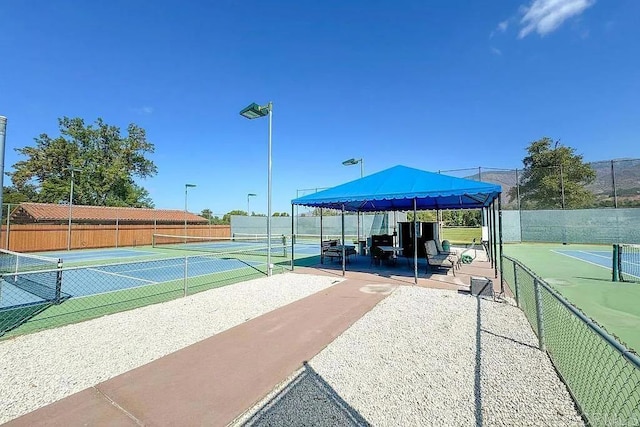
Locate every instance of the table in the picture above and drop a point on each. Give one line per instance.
(336, 251)
(392, 251)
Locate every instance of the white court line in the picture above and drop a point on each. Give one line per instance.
(151, 282)
(581, 259)
(157, 283)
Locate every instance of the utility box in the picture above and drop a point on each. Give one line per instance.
(481, 286)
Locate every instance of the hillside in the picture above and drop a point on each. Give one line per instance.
(627, 180)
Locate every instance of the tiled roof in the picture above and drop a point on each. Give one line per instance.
(41, 212)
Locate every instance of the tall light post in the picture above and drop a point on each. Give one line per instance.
(186, 192)
(3, 131)
(351, 162)
(255, 111)
(248, 206)
(73, 170)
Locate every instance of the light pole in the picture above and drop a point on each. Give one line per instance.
(351, 162)
(3, 131)
(248, 206)
(255, 111)
(71, 207)
(186, 188)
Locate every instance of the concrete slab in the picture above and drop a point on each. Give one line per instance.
(215, 380)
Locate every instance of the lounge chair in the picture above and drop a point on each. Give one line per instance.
(452, 253)
(434, 259)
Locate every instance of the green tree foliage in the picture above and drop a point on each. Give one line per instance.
(206, 213)
(461, 218)
(226, 218)
(549, 171)
(325, 212)
(107, 164)
(422, 216)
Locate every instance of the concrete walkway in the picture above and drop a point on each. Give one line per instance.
(215, 380)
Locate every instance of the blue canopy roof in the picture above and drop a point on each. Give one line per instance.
(397, 187)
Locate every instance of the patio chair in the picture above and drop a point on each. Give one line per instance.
(452, 253)
(436, 260)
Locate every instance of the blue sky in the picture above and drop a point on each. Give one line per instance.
(431, 85)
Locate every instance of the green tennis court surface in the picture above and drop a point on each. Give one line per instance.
(582, 274)
(87, 287)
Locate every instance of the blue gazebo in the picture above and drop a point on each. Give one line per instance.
(402, 188)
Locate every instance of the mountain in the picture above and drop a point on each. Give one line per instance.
(625, 171)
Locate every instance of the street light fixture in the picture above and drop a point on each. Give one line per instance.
(71, 206)
(352, 162)
(248, 208)
(255, 111)
(186, 188)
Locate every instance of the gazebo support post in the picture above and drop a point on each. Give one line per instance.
(321, 252)
(293, 236)
(415, 242)
(344, 245)
(495, 238)
(500, 237)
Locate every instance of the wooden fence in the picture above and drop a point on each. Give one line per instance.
(52, 237)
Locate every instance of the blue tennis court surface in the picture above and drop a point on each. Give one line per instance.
(629, 264)
(86, 281)
(11, 295)
(109, 278)
(96, 254)
(596, 257)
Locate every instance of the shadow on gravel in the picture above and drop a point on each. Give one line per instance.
(477, 389)
(308, 400)
(509, 339)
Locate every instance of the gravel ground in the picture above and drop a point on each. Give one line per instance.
(430, 358)
(43, 367)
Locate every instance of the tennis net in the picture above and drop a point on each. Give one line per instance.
(37, 275)
(315, 239)
(626, 260)
(278, 239)
(231, 245)
(46, 285)
(14, 262)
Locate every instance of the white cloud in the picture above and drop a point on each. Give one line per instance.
(545, 16)
(496, 51)
(143, 110)
(501, 28)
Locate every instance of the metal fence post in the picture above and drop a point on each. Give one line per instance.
(515, 283)
(186, 275)
(536, 289)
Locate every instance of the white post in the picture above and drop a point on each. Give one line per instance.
(70, 212)
(269, 266)
(3, 132)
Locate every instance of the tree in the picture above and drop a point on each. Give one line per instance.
(106, 165)
(226, 218)
(206, 213)
(422, 216)
(554, 177)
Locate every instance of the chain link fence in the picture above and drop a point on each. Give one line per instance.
(602, 375)
(616, 184)
(33, 298)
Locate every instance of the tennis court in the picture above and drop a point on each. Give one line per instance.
(583, 275)
(91, 255)
(99, 279)
(38, 293)
(109, 278)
